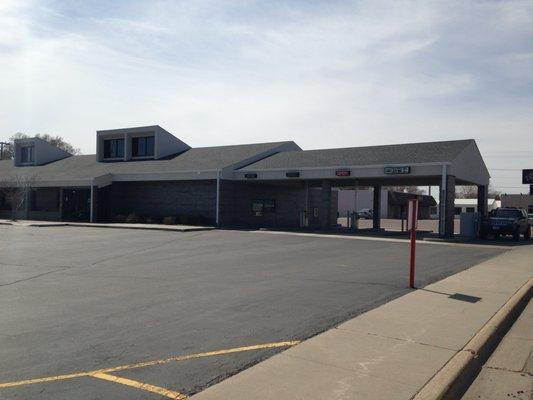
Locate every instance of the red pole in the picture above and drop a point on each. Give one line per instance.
(413, 216)
(412, 258)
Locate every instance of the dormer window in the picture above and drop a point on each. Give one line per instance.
(26, 155)
(142, 146)
(113, 148)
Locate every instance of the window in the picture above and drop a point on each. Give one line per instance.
(260, 207)
(26, 154)
(114, 148)
(44, 199)
(506, 213)
(4, 204)
(458, 210)
(470, 209)
(142, 146)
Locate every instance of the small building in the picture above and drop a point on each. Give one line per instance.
(467, 205)
(148, 173)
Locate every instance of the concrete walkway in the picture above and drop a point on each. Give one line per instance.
(153, 227)
(508, 374)
(390, 352)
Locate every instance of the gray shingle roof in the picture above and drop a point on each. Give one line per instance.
(411, 153)
(86, 167)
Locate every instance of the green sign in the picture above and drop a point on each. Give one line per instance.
(397, 170)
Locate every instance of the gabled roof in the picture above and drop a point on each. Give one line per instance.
(86, 167)
(411, 153)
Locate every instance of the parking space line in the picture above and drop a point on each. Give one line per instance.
(139, 385)
(151, 363)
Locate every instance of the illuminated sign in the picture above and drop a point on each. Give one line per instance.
(527, 176)
(342, 172)
(292, 174)
(397, 170)
(250, 176)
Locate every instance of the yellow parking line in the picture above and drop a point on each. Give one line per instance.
(201, 355)
(150, 363)
(43, 380)
(139, 385)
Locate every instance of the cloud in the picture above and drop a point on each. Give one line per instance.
(218, 72)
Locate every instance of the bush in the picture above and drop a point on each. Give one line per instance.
(183, 219)
(152, 220)
(169, 220)
(120, 218)
(133, 218)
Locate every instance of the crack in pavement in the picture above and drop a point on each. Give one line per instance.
(34, 276)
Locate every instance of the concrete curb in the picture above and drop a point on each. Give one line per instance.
(140, 227)
(455, 377)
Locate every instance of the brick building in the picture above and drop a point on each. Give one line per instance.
(150, 174)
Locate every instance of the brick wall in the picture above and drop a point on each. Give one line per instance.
(237, 197)
(194, 199)
(197, 199)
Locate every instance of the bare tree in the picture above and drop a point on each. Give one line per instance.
(407, 189)
(16, 189)
(470, 192)
(466, 192)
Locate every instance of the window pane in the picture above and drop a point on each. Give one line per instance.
(135, 147)
(143, 146)
(114, 148)
(150, 146)
(119, 148)
(269, 205)
(107, 148)
(26, 154)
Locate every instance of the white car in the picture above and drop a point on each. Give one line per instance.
(366, 213)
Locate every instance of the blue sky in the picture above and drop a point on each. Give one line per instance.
(325, 74)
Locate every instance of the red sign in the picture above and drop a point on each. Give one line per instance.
(342, 172)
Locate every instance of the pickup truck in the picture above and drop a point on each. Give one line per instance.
(507, 221)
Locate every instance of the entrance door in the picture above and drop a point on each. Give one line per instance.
(76, 204)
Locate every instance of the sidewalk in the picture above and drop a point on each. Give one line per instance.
(508, 374)
(390, 352)
(152, 227)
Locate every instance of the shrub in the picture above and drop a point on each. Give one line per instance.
(119, 218)
(152, 220)
(133, 218)
(169, 220)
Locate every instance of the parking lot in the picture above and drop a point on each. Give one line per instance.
(125, 314)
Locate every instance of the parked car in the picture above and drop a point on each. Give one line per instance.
(366, 213)
(507, 221)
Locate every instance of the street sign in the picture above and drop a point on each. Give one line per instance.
(527, 176)
(397, 170)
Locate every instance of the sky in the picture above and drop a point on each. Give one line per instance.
(322, 73)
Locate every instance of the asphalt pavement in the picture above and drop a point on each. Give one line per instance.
(79, 299)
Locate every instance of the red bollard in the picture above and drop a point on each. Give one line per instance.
(412, 223)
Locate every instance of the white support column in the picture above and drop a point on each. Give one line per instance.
(442, 201)
(218, 199)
